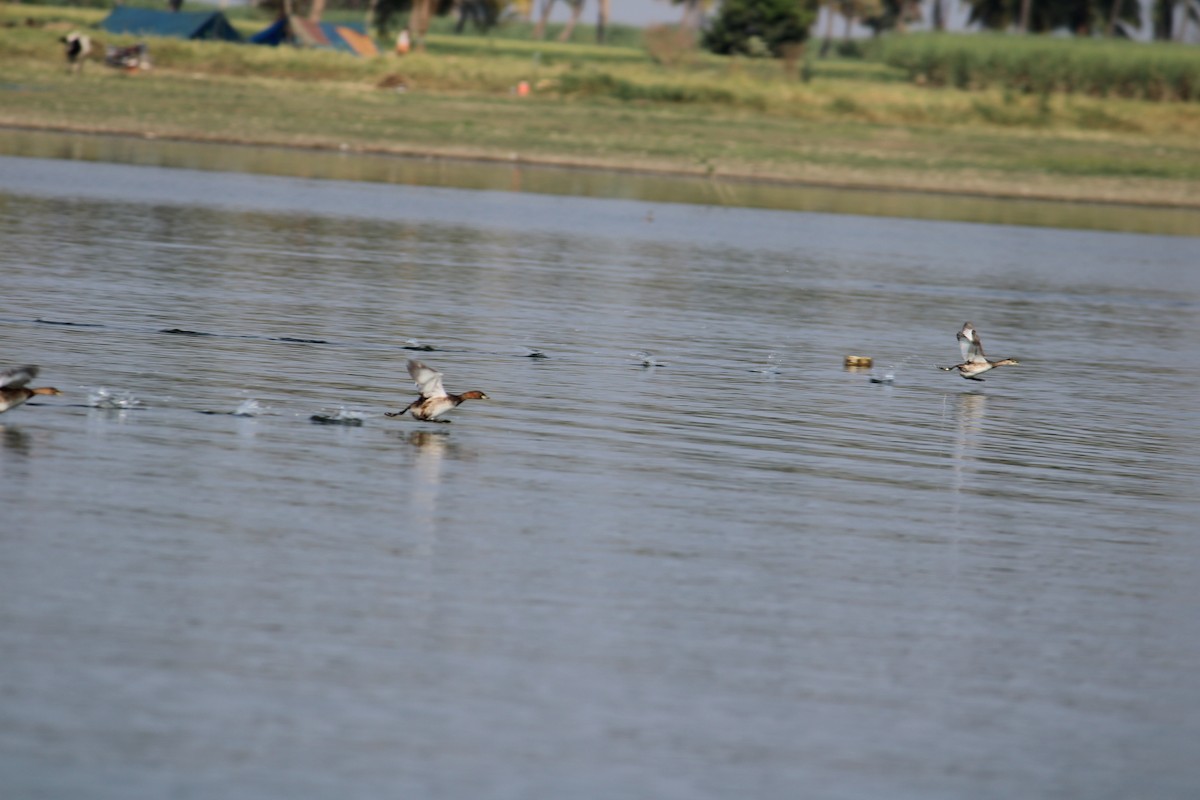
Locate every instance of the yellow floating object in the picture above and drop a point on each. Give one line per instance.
(858, 361)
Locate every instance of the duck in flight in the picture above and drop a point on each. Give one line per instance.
(975, 363)
(434, 400)
(14, 392)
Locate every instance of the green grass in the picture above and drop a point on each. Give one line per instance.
(1036, 64)
(854, 122)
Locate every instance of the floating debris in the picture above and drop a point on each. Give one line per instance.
(415, 344)
(887, 379)
(858, 361)
(535, 353)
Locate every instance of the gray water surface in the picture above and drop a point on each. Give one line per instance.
(745, 572)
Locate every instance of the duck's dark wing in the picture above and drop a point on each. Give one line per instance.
(18, 376)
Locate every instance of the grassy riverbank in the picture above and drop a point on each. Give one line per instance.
(853, 123)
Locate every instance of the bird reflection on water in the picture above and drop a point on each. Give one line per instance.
(15, 439)
(969, 415)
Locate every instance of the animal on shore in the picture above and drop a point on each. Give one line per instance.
(434, 400)
(14, 392)
(974, 362)
(77, 47)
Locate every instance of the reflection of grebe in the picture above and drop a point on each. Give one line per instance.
(975, 363)
(970, 410)
(14, 438)
(434, 400)
(428, 441)
(14, 392)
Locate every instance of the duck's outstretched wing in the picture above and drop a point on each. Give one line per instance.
(18, 376)
(429, 380)
(970, 344)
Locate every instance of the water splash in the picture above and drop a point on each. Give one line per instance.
(103, 397)
(647, 359)
(772, 366)
(888, 377)
(249, 408)
(340, 416)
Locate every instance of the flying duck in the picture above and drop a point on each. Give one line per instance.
(974, 362)
(434, 400)
(14, 392)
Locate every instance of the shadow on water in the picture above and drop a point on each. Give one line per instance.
(655, 188)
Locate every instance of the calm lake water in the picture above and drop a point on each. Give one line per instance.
(745, 572)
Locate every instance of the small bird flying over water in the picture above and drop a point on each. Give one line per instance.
(434, 400)
(14, 392)
(974, 362)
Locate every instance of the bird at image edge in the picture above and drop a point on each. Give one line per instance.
(14, 392)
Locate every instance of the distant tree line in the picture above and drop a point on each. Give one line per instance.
(773, 27)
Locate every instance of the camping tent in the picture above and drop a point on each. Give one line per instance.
(181, 24)
(301, 32)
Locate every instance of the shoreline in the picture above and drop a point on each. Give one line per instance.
(986, 189)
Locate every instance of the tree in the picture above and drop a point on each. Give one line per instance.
(1026, 10)
(1172, 18)
(605, 6)
(760, 27)
(850, 10)
(1078, 16)
(893, 14)
(693, 12)
(539, 30)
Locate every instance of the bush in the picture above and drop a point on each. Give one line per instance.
(759, 27)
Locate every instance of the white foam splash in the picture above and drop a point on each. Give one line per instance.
(772, 367)
(647, 359)
(103, 397)
(249, 408)
(342, 416)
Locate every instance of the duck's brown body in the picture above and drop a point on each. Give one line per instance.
(434, 400)
(975, 363)
(14, 392)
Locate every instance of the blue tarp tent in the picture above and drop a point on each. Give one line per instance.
(347, 37)
(180, 24)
